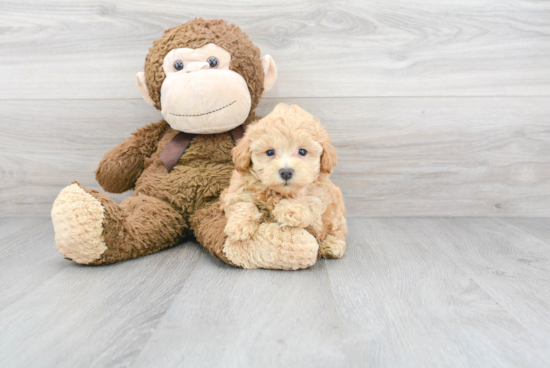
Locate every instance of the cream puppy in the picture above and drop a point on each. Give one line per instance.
(282, 186)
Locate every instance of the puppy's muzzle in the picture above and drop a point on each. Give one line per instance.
(286, 174)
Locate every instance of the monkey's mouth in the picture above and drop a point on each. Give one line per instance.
(206, 113)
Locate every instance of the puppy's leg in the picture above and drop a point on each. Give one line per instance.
(243, 219)
(333, 246)
(292, 212)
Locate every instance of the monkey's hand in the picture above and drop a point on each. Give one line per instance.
(292, 212)
(243, 219)
(120, 168)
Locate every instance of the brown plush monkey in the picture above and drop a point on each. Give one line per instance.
(206, 77)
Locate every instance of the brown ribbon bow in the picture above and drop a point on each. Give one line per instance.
(175, 148)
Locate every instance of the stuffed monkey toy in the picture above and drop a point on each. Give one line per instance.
(206, 77)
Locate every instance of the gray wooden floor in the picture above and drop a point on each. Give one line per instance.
(409, 292)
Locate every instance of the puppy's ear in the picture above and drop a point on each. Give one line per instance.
(241, 155)
(329, 156)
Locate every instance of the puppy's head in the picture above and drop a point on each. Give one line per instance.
(286, 150)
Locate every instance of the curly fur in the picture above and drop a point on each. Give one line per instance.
(257, 193)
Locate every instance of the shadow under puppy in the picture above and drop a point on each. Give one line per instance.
(283, 212)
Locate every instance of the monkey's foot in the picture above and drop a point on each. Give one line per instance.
(274, 247)
(332, 247)
(77, 219)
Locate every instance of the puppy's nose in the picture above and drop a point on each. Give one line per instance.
(286, 173)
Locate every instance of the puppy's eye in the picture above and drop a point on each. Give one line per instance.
(212, 61)
(270, 152)
(302, 152)
(178, 65)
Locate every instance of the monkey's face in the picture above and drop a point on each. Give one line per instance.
(200, 94)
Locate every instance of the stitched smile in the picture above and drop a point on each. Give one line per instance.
(206, 113)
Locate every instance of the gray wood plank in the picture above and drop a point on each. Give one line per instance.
(227, 317)
(56, 144)
(60, 49)
(28, 256)
(511, 265)
(397, 156)
(403, 302)
(539, 227)
(12, 226)
(93, 316)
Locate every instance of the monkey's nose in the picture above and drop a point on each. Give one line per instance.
(197, 65)
(286, 173)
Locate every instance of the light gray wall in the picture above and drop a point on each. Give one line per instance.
(438, 108)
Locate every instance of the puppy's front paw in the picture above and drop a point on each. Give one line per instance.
(293, 213)
(236, 231)
(332, 247)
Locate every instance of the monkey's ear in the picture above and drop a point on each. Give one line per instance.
(270, 72)
(142, 86)
(241, 155)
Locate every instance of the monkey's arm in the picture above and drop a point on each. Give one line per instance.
(119, 169)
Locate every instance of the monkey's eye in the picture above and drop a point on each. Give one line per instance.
(270, 152)
(212, 61)
(302, 152)
(178, 64)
